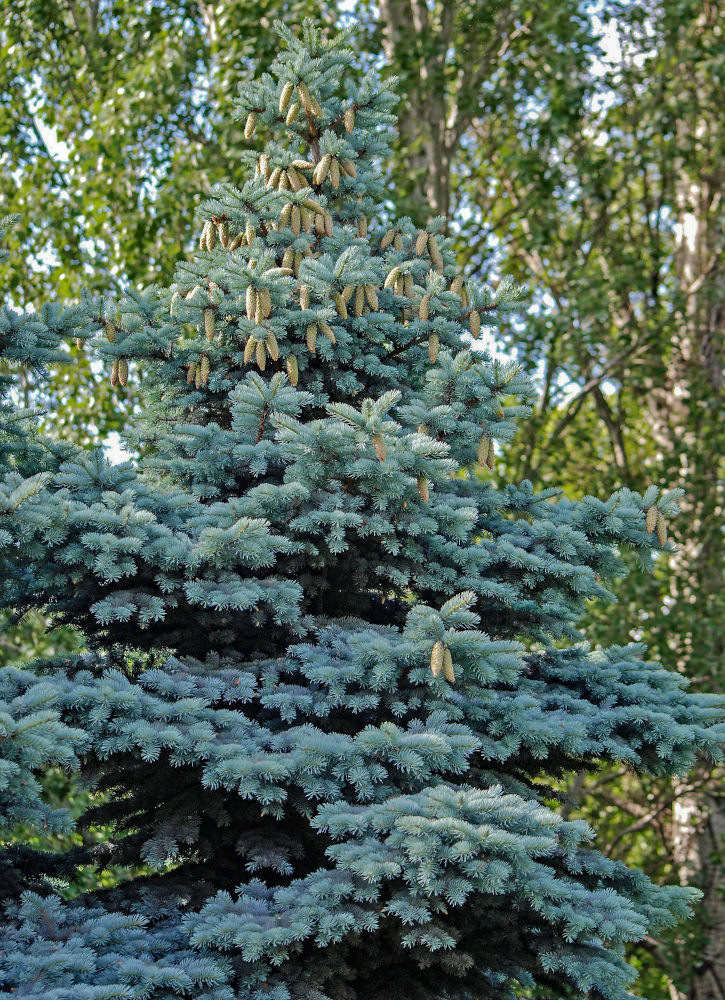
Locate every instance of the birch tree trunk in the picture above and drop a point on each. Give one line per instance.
(417, 40)
(690, 418)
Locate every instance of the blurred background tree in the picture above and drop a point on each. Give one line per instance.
(577, 146)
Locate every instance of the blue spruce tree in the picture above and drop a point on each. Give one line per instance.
(332, 670)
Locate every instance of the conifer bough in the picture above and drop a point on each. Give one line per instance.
(330, 663)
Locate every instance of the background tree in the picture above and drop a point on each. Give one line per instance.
(602, 191)
(619, 227)
(460, 63)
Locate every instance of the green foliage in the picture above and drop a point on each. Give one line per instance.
(332, 669)
(612, 224)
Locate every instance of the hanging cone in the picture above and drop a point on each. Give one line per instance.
(272, 347)
(661, 529)
(340, 305)
(251, 124)
(651, 520)
(251, 301)
(334, 174)
(209, 324)
(484, 447)
(387, 239)
(327, 330)
(372, 297)
(437, 657)
(448, 671)
(285, 97)
(435, 253)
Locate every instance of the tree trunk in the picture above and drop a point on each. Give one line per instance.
(407, 35)
(698, 840)
(688, 419)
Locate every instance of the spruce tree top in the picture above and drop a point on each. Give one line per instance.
(332, 664)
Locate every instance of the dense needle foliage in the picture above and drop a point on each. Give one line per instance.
(331, 661)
